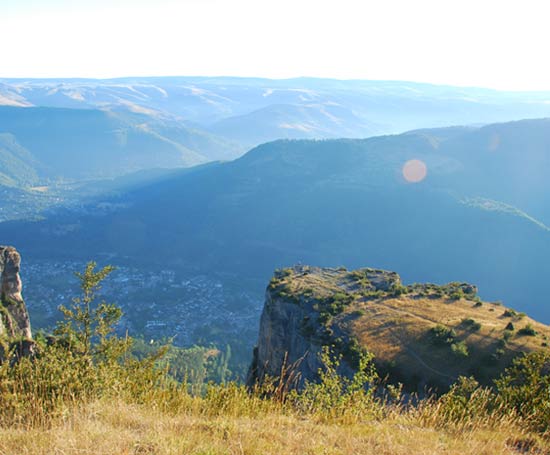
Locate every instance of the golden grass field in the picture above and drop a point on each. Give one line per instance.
(113, 427)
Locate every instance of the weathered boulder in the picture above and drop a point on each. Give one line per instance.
(14, 317)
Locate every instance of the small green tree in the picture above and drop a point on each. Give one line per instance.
(338, 395)
(525, 388)
(88, 325)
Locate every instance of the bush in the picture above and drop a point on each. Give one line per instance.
(465, 401)
(398, 289)
(441, 335)
(460, 349)
(376, 294)
(471, 324)
(528, 330)
(332, 306)
(457, 295)
(525, 389)
(335, 396)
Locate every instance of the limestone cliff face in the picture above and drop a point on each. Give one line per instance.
(282, 348)
(14, 318)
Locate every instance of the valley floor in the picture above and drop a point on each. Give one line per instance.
(119, 428)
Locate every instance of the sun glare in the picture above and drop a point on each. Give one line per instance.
(414, 171)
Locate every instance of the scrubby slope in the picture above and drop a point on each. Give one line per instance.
(422, 335)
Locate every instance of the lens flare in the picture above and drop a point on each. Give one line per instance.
(414, 171)
(494, 142)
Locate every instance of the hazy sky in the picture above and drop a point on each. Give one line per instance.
(501, 44)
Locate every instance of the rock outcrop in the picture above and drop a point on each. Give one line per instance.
(291, 337)
(14, 317)
(422, 335)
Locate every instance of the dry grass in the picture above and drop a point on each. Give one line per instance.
(118, 428)
(395, 330)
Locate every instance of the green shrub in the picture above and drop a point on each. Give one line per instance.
(333, 306)
(286, 272)
(460, 349)
(360, 277)
(471, 324)
(457, 295)
(525, 389)
(528, 330)
(398, 289)
(373, 294)
(337, 396)
(466, 401)
(441, 335)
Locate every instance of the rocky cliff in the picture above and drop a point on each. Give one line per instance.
(422, 335)
(14, 318)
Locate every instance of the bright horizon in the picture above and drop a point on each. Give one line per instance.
(493, 44)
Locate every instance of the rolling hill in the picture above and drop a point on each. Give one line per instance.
(59, 144)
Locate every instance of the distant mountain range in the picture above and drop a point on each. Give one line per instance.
(479, 211)
(247, 112)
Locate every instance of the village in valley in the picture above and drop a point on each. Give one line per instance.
(159, 304)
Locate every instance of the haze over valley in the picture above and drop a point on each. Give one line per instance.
(438, 205)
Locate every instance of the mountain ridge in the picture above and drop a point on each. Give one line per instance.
(334, 202)
(247, 106)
